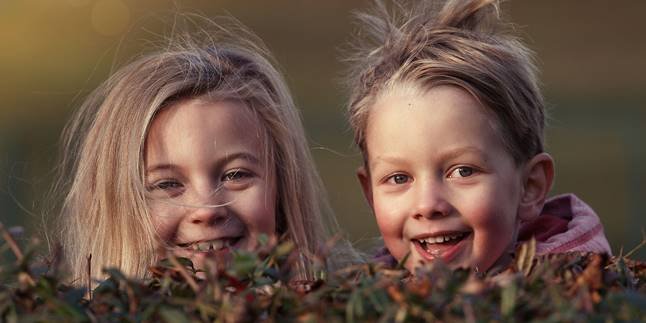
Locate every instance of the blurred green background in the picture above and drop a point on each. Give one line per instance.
(592, 56)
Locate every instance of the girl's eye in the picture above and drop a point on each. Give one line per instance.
(235, 175)
(399, 179)
(462, 171)
(167, 185)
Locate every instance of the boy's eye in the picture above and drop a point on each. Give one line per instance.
(399, 179)
(462, 171)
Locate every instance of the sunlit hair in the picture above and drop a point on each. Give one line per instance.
(460, 43)
(105, 214)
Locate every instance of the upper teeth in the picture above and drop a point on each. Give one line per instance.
(441, 239)
(210, 245)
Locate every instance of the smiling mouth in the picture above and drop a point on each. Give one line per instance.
(210, 245)
(443, 246)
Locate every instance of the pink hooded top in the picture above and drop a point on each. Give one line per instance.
(566, 224)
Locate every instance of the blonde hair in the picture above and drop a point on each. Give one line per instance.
(104, 213)
(462, 43)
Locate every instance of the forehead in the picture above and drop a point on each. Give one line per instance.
(439, 118)
(196, 126)
(205, 112)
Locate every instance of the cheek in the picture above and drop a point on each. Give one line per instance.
(493, 222)
(493, 228)
(258, 211)
(489, 211)
(165, 219)
(388, 217)
(165, 227)
(266, 217)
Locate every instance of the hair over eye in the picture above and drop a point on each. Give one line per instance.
(236, 175)
(165, 188)
(165, 185)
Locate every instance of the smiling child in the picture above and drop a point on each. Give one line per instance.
(195, 149)
(449, 118)
(209, 186)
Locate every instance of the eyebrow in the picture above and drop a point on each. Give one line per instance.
(446, 155)
(453, 153)
(386, 159)
(227, 158)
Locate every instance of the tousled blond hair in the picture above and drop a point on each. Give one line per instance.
(462, 43)
(104, 212)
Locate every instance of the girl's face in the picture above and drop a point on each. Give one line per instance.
(440, 181)
(207, 183)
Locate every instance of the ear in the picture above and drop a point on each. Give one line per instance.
(364, 179)
(537, 182)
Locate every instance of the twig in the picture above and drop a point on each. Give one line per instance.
(89, 276)
(12, 243)
(182, 271)
(639, 246)
(24, 276)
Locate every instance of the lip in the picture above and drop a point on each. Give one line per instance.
(446, 253)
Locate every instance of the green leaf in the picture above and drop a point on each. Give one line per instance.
(508, 300)
(263, 239)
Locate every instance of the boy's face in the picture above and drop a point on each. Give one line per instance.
(208, 187)
(440, 181)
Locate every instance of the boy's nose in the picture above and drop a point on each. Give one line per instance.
(430, 202)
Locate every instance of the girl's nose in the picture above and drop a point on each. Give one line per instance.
(208, 215)
(209, 209)
(430, 202)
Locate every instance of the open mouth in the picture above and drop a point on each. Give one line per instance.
(444, 246)
(210, 245)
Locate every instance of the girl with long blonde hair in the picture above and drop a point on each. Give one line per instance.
(197, 148)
